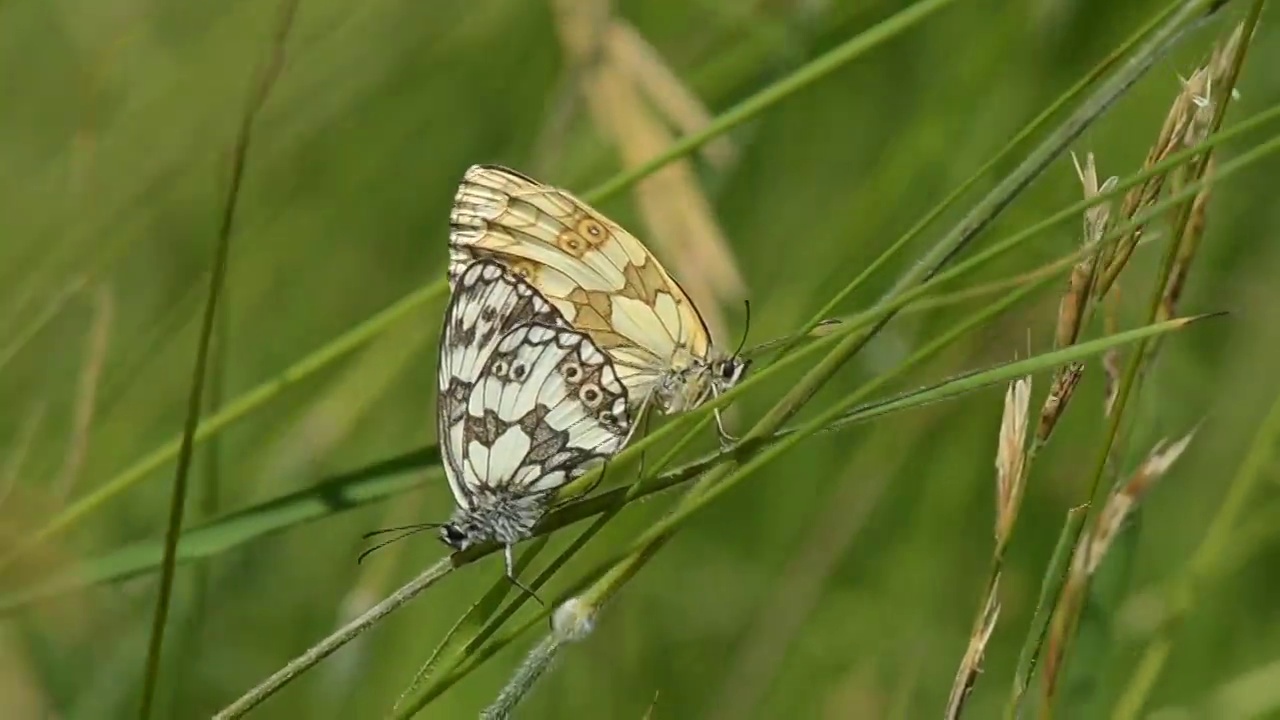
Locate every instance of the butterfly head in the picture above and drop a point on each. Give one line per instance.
(727, 372)
(696, 382)
(458, 534)
(505, 517)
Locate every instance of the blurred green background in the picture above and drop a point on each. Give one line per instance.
(839, 583)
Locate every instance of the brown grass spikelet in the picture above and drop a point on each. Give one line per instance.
(1187, 247)
(1093, 547)
(1126, 497)
(1064, 385)
(1173, 135)
(1011, 456)
(971, 664)
(1186, 125)
(1111, 366)
(1096, 221)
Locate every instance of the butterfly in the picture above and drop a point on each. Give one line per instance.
(526, 404)
(603, 280)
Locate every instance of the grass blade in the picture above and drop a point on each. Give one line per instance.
(340, 493)
(1050, 586)
(179, 497)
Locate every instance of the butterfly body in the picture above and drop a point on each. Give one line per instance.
(602, 279)
(526, 405)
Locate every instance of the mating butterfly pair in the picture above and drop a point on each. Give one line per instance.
(562, 330)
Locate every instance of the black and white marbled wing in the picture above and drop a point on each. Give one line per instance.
(487, 302)
(547, 407)
(526, 403)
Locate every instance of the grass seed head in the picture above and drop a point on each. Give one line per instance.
(1064, 385)
(1011, 456)
(1127, 496)
(971, 663)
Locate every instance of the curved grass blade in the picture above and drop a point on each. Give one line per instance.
(330, 496)
(327, 497)
(1050, 587)
(178, 497)
(385, 478)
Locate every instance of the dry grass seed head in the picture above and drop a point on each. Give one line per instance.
(1127, 496)
(1098, 216)
(1187, 246)
(1064, 385)
(1186, 124)
(1096, 219)
(1112, 368)
(1011, 455)
(971, 664)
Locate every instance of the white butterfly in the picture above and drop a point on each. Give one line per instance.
(526, 405)
(605, 282)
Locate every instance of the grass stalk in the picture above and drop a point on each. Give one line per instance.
(1050, 589)
(330, 644)
(938, 256)
(177, 504)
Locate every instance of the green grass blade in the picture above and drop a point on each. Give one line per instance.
(1050, 586)
(336, 494)
(178, 500)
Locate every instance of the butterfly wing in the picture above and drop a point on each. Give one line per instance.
(603, 279)
(547, 408)
(512, 413)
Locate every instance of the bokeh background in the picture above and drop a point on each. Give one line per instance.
(840, 582)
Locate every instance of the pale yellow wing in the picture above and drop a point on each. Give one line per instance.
(604, 280)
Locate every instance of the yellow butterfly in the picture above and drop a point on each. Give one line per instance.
(604, 280)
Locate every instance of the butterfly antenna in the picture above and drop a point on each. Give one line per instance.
(415, 527)
(746, 327)
(511, 575)
(405, 532)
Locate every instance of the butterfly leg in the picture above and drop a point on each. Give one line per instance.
(604, 468)
(641, 416)
(507, 554)
(726, 440)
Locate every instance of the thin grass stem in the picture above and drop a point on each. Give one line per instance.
(239, 156)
